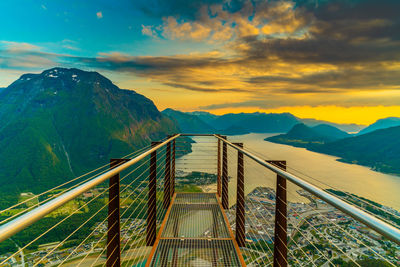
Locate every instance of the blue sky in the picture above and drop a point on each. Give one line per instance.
(83, 28)
(299, 56)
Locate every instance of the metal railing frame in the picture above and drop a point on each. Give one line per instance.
(9, 229)
(392, 233)
(383, 228)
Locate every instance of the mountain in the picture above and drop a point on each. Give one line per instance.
(63, 122)
(256, 122)
(188, 123)
(225, 123)
(347, 127)
(381, 124)
(207, 117)
(379, 149)
(330, 132)
(303, 136)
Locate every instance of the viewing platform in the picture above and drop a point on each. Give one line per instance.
(188, 200)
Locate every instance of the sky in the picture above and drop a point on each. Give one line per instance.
(335, 60)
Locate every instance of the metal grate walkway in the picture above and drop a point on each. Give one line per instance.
(195, 232)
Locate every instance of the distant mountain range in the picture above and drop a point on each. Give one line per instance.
(64, 122)
(242, 123)
(204, 116)
(379, 149)
(381, 124)
(188, 123)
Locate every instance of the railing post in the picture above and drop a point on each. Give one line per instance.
(113, 231)
(280, 237)
(173, 168)
(167, 177)
(240, 209)
(151, 201)
(219, 168)
(224, 193)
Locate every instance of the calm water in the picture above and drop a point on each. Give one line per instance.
(359, 180)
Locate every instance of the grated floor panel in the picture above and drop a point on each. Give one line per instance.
(194, 252)
(195, 234)
(196, 221)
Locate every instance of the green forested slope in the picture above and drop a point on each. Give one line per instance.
(64, 122)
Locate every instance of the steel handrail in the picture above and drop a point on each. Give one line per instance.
(374, 223)
(9, 229)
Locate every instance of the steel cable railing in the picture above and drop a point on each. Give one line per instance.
(30, 217)
(249, 217)
(51, 228)
(144, 181)
(304, 175)
(343, 253)
(127, 175)
(343, 230)
(266, 221)
(378, 225)
(160, 211)
(105, 167)
(266, 231)
(322, 255)
(85, 206)
(310, 232)
(96, 228)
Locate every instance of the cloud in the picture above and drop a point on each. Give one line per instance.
(99, 15)
(269, 53)
(148, 30)
(192, 31)
(216, 21)
(70, 45)
(14, 47)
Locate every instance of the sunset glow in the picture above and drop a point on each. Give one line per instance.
(314, 59)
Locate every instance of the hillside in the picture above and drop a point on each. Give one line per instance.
(303, 136)
(381, 124)
(330, 132)
(379, 149)
(188, 123)
(64, 122)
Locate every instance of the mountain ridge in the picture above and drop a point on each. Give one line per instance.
(235, 123)
(63, 122)
(188, 123)
(381, 124)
